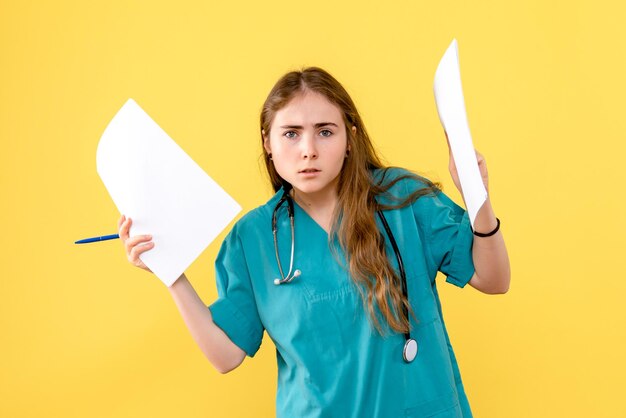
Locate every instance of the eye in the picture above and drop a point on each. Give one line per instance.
(290, 134)
(326, 133)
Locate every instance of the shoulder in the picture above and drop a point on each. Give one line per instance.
(406, 178)
(256, 219)
(395, 183)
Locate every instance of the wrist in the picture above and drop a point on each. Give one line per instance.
(178, 282)
(486, 222)
(490, 233)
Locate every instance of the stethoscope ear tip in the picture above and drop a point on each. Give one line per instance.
(276, 282)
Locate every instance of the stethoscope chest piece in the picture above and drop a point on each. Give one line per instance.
(287, 279)
(290, 276)
(409, 352)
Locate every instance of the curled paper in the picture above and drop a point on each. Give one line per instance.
(154, 182)
(451, 108)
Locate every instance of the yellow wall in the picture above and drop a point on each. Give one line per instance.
(84, 334)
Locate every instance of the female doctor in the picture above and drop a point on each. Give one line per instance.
(339, 267)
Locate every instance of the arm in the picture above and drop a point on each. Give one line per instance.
(493, 271)
(223, 354)
(491, 261)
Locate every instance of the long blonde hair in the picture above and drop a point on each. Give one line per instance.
(358, 235)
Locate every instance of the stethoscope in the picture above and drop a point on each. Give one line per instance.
(410, 345)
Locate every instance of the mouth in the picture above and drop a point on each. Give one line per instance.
(309, 170)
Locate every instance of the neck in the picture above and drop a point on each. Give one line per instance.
(323, 200)
(319, 205)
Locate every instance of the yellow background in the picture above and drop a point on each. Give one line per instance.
(84, 334)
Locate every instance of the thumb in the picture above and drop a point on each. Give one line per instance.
(448, 142)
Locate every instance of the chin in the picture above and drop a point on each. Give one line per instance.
(307, 188)
(311, 187)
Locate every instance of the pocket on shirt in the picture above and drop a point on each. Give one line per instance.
(446, 406)
(430, 377)
(324, 280)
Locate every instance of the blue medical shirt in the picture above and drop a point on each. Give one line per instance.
(331, 361)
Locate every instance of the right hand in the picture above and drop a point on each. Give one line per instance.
(135, 245)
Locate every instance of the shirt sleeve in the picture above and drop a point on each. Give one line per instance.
(449, 237)
(235, 310)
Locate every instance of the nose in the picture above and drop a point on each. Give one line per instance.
(309, 147)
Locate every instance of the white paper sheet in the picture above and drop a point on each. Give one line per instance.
(451, 108)
(154, 182)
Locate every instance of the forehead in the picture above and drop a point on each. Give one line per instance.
(308, 108)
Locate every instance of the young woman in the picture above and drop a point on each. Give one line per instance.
(339, 267)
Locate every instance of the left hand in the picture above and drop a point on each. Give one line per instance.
(482, 166)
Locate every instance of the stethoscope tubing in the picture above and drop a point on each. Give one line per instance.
(409, 350)
(289, 277)
(394, 245)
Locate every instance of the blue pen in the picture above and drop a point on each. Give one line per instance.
(96, 239)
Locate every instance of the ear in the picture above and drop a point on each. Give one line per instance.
(353, 133)
(266, 142)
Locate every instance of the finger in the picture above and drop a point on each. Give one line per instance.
(136, 240)
(120, 230)
(480, 159)
(451, 163)
(144, 247)
(125, 228)
(120, 222)
(448, 142)
(140, 249)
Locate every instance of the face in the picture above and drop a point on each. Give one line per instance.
(308, 143)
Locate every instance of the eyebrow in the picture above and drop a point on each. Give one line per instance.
(317, 125)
